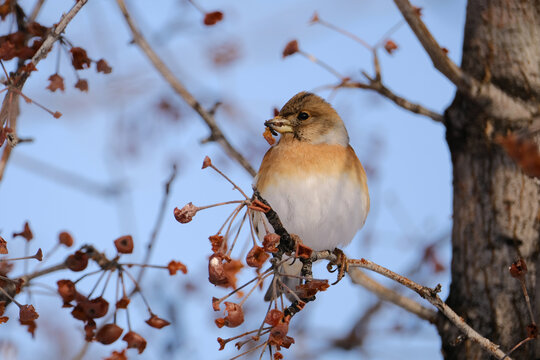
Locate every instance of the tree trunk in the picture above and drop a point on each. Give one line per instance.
(496, 206)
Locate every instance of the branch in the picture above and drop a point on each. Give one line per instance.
(12, 94)
(431, 296)
(26, 278)
(425, 292)
(215, 132)
(358, 277)
(376, 84)
(159, 222)
(497, 103)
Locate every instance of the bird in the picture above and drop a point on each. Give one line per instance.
(313, 180)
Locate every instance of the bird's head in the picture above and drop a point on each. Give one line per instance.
(307, 117)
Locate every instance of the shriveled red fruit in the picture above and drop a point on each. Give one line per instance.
(66, 289)
(77, 262)
(109, 333)
(65, 238)
(212, 18)
(135, 341)
(95, 308)
(157, 322)
(256, 257)
(175, 266)
(235, 316)
(27, 313)
(124, 244)
(185, 214)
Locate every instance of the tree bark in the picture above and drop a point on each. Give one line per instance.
(496, 206)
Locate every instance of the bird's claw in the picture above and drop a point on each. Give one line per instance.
(340, 263)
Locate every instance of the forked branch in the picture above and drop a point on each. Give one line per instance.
(495, 101)
(215, 132)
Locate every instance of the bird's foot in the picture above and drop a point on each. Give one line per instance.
(340, 263)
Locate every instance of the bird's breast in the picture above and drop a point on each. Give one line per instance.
(319, 192)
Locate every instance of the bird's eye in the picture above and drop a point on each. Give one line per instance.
(303, 116)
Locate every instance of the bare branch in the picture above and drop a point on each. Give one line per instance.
(431, 296)
(497, 103)
(26, 278)
(35, 10)
(9, 112)
(215, 132)
(358, 277)
(12, 95)
(378, 86)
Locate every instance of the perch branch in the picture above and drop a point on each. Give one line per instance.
(358, 277)
(431, 296)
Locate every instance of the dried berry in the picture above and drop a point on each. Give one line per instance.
(518, 268)
(27, 313)
(235, 316)
(135, 341)
(3, 246)
(56, 83)
(270, 242)
(206, 162)
(66, 289)
(26, 233)
(103, 67)
(390, 46)
(77, 262)
(267, 134)
(82, 85)
(213, 18)
(79, 58)
(185, 214)
(124, 244)
(65, 238)
(273, 317)
(175, 266)
(157, 322)
(290, 48)
(256, 257)
(109, 333)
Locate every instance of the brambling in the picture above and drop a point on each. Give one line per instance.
(313, 179)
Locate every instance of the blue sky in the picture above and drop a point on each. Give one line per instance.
(410, 187)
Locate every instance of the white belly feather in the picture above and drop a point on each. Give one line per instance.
(324, 211)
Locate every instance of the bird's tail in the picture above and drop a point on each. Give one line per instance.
(284, 284)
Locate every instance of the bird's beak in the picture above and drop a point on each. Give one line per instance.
(280, 125)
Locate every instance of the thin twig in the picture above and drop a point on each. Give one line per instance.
(158, 223)
(517, 346)
(35, 10)
(215, 132)
(26, 278)
(61, 176)
(497, 103)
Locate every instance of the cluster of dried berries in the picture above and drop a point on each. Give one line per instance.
(9, 288)
(79, 61)
(17, 44)
(223, 270)
(87, 308)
